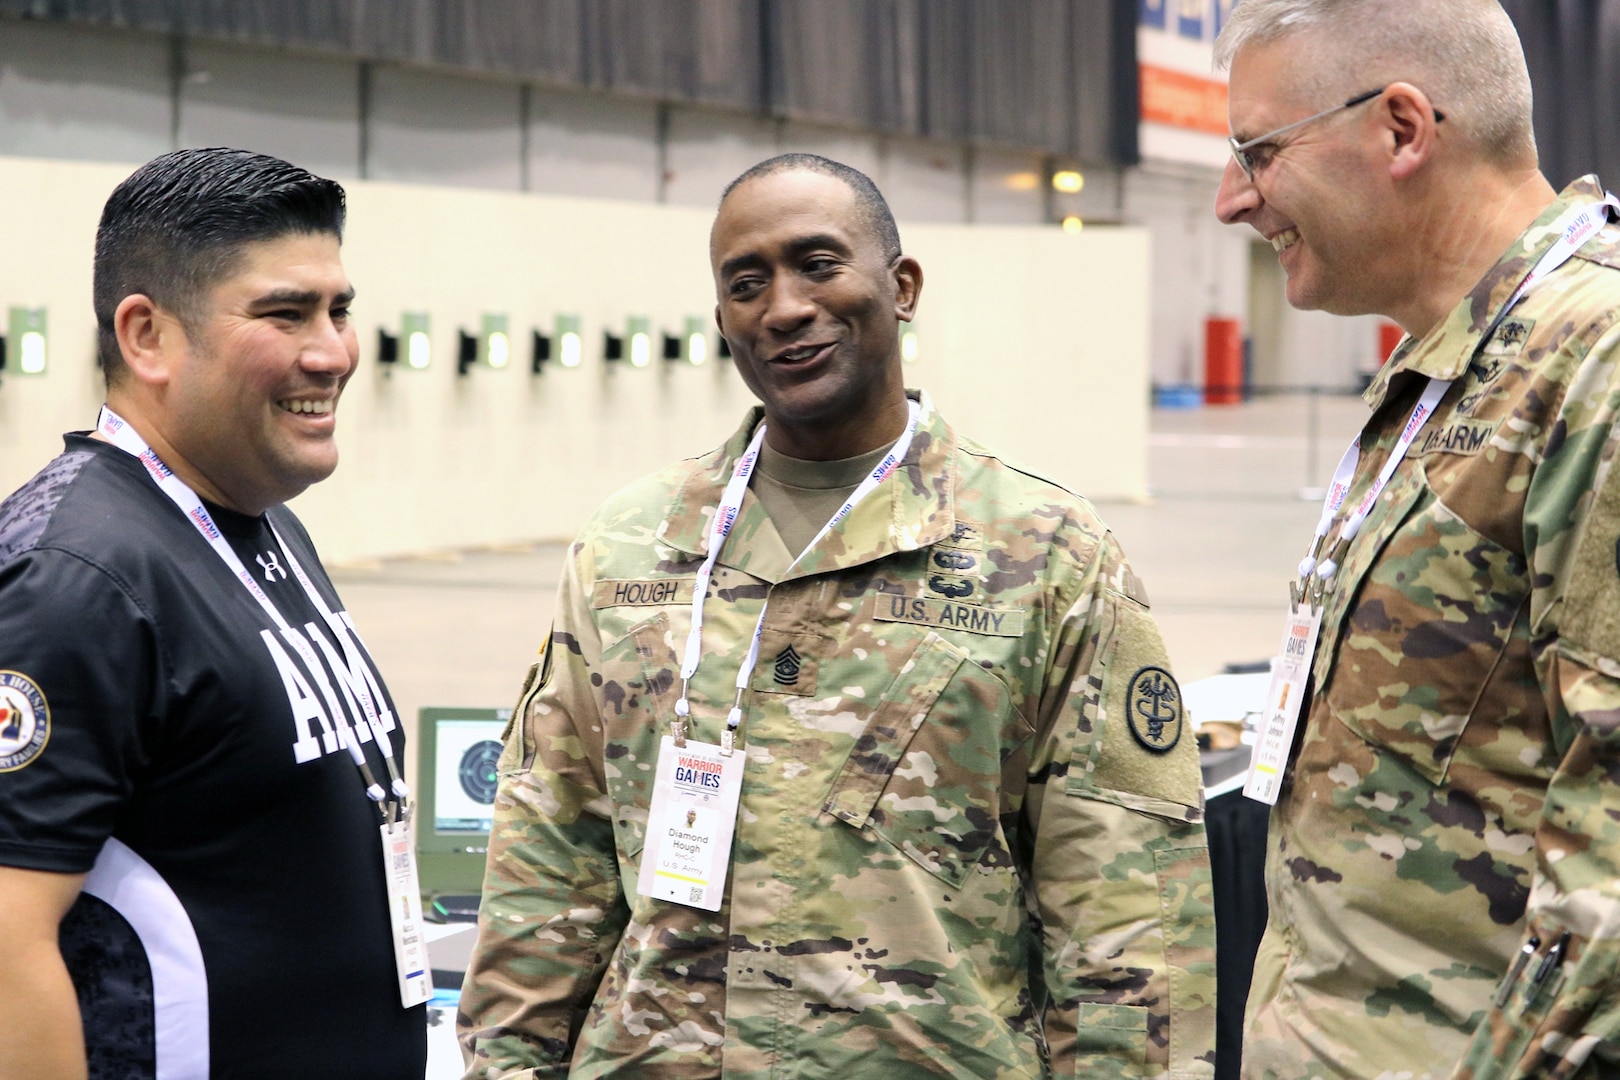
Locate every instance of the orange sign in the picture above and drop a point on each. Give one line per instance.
(1182, 100)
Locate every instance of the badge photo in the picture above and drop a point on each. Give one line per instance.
(25, 721)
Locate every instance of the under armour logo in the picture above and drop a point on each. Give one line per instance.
(270, 566)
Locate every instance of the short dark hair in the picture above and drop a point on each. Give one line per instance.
(176, 227)
(874, 209)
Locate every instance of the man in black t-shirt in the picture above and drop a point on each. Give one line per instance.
(198, 758)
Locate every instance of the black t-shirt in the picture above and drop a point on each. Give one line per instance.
(159, 731)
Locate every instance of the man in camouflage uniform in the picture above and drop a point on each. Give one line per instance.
(969, 842)
(1444, 865)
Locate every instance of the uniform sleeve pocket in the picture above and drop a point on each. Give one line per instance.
(517, 740)
(1115, 1033)
(929, 771)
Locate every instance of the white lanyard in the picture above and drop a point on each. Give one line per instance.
(1578, 226)
(127, 439)
(725, 517)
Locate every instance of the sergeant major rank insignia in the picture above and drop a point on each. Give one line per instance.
(1153, 709)
(25, 721)
(788, 663)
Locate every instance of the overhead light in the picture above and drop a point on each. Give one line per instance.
(1068, 181)
(640, 334)
(413, 330)
(25, 333)
(570, 346)
(908, 343)
(1022, 181)
(1073, 224)
(697, 340)
(691, 344)
(497, 346)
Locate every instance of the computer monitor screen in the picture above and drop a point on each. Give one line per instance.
(464, 775)
(457, 750)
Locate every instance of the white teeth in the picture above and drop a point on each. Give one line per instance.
(802, 354)
(317, 408)
(1286, 238)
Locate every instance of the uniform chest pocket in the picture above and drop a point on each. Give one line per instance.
(1422, 634)
(639, 677)
(942, 757)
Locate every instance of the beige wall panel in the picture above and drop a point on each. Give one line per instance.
(48, 254)
(1033, 341)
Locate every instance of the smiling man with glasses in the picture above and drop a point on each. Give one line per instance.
(1444, 864)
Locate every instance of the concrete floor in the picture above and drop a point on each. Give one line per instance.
(1215, 544)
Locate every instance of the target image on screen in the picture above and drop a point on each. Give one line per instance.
(464, 774)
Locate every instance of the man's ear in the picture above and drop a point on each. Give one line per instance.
(1410, 128)
(149, 338)
(908, 282)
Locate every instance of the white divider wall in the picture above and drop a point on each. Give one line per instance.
(1032, 341)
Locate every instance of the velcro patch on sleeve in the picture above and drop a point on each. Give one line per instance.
(1146, 748)
(1591, 617)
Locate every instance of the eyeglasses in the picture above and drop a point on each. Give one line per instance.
(1246, 161)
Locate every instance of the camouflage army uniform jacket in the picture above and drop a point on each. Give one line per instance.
(1455, 797)
(953, 857)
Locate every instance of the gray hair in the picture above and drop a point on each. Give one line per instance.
(1464, 54)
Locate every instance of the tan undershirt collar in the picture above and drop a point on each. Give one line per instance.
(800, 496)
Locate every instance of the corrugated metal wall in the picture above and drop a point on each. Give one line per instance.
(1057, 76)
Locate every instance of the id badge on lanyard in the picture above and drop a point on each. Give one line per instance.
(690, 824)
(405, 914)
(1290, 676)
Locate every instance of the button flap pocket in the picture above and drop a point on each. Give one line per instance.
(1374, 535)
(1422, 634)
(900, 712)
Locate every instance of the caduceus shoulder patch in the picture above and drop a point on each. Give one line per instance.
(1154, 710)
(25, 721)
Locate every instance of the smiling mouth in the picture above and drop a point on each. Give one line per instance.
(799, 354)
(307, 408)
(1285, 239)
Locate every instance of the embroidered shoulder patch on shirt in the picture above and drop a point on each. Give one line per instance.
(1153, 709)
(25, 721)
